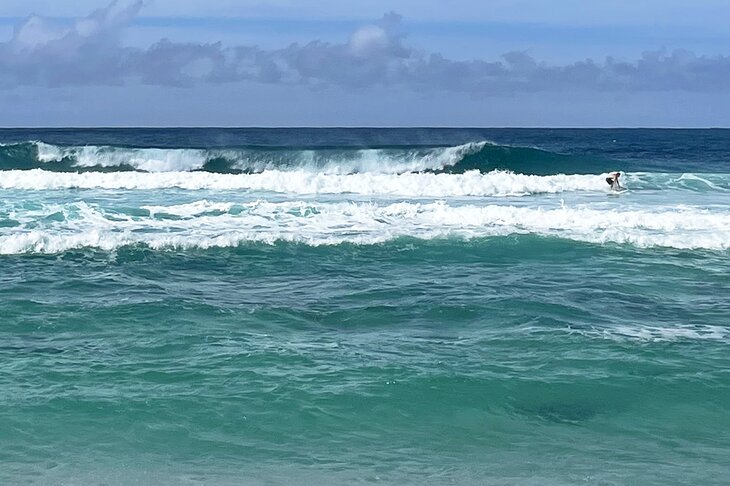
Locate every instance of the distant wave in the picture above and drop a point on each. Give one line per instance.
(54, 228)
(479, 155)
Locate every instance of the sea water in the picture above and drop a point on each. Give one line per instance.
(387, 306)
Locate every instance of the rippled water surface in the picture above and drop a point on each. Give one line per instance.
(337, 306)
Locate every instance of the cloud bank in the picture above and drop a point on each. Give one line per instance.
(89, 52)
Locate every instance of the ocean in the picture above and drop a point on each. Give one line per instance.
(364, 306)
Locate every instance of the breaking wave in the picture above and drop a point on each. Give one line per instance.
(54, 228)
(471, 183)
(481, 155)
(407, 184)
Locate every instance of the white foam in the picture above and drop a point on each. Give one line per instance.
(149, 159)
(471, 183)
(204, 224)
(48, 152)
(190, 209)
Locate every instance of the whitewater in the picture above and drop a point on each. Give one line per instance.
(203, 224)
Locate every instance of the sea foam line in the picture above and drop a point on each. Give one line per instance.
(203, 224)
(471, 183)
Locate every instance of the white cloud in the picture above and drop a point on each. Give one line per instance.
(368, 39)
(89, 52)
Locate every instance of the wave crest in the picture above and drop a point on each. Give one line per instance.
(30, 155)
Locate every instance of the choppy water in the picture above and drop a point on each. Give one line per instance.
(329, 306)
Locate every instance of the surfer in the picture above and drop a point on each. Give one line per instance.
(612, 181)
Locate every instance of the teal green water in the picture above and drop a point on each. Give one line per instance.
(518, 360)
(270, 335)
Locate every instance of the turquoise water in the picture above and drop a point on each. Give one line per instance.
(364, 306)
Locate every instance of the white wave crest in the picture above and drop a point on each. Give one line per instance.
(471, 183)
(205, 224)
(148, 159)
(387, 161)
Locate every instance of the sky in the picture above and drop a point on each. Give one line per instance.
(572, 63)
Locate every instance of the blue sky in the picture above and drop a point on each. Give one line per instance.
(375, 63)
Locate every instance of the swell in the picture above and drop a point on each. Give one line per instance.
(479, 155)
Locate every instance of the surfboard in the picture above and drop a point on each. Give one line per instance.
(619, 192)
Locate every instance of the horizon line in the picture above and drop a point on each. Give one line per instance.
(370, 127)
